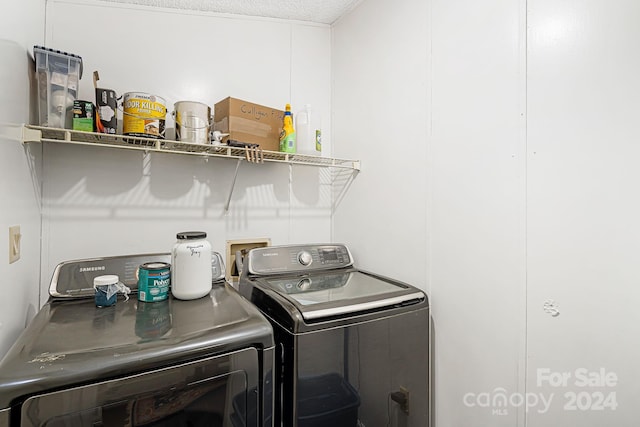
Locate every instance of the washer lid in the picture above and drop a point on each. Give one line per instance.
(342, 292)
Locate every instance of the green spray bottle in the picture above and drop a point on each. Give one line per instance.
(288, 134)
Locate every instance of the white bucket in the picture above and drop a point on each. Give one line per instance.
(193, 122)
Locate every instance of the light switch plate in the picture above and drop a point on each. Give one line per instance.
(14, 243)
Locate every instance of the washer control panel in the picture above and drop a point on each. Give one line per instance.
(297, 258)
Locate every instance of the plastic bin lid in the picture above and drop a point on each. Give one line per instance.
(43, 49)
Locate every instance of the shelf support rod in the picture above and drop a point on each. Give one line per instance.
(344, 190)
(233, 184)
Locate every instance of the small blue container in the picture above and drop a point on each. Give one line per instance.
(106, 290)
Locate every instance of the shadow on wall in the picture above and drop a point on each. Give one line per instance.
(103, 182)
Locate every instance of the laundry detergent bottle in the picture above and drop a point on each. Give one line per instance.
(288, 134)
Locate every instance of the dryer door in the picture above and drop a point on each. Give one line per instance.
(210, 392)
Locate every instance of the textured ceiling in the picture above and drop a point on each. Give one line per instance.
(320, 11)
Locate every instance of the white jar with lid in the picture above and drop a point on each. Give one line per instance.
(191, 266)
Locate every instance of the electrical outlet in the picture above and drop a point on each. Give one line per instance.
(243, 246)
(14, 243)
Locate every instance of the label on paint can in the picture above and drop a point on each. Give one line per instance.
(154, 279)
(143, 115)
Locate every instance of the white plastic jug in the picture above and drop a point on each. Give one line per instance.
(308, 131)
(191, 266)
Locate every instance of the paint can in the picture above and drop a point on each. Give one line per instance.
(154, 279)
(193, 122)
(143, 115)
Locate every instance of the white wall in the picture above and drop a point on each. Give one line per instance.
(21, 27)
(583, 208)
(104, 202)
(532, 152)
(477, 207)
(381, 115)
(429, 94)
(23, 22)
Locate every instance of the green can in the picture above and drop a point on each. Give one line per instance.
(154, 279)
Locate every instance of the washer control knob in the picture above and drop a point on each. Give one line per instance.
(304, 284)
(305, 258)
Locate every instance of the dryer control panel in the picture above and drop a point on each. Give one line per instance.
(297, 258)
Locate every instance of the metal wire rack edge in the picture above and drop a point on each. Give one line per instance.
(32, 133)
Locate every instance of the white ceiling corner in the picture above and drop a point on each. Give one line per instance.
(319, 11)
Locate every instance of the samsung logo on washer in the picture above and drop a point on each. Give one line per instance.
(96, 268)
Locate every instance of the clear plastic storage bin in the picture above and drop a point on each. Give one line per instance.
(58, 75)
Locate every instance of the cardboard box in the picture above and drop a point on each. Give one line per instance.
(249, 123)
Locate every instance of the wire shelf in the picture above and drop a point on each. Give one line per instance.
(45, 134)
